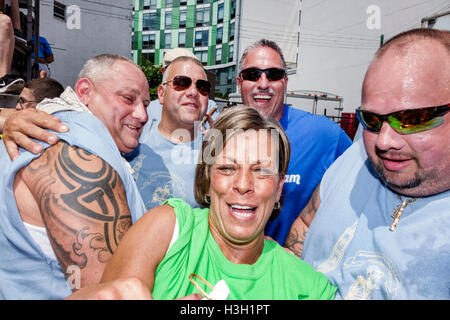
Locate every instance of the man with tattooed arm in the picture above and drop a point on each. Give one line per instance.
(64, 210)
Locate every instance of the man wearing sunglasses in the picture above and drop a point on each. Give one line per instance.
(382, 228)
(165, 160)
(163, 164)
(315, 140)
(155, 108)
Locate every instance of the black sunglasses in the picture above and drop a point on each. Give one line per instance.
(253, 74)
(404, 121)
(180, 83)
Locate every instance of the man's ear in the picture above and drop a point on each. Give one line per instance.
(84, 90)
(161, 94)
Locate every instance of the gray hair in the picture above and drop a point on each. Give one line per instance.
(97, 66)
(261, 44)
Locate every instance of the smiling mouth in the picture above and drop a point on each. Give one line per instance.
(242, 211)
(132, 127)
(190, 105)
(261, 97)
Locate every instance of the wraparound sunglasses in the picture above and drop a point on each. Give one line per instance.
(404, 121)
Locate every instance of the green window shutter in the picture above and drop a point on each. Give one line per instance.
(190, 17)
(175, 18)
(225, 52)
(189, 37)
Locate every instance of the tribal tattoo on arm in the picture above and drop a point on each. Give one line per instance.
(83, 204)
(297, 235)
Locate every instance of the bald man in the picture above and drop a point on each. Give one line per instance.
(381, 218)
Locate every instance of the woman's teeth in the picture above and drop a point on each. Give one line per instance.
(242, 211)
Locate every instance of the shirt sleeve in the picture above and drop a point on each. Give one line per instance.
(343, 143)
(45, 47)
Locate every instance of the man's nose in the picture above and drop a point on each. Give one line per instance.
(192, 91)
(388, 138)
(140, 112)
(263, 82)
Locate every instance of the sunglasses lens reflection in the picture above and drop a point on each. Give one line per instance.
(181, 83)
(406, 121)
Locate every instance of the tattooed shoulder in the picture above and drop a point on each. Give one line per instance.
(83, 204)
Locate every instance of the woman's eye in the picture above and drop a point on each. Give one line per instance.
(264, 171)
(226, 169)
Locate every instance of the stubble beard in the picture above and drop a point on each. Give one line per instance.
(417, 185)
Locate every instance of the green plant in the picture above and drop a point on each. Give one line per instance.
(154, 76)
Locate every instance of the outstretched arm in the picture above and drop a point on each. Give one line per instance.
(131, 272)
(21, 125)
(297, 234)
(83, 206)
(144, 247)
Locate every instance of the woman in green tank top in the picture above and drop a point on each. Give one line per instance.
(238, 180)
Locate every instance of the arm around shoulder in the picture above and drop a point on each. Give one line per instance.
(4, 114)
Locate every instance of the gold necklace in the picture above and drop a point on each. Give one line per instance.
(399, 210)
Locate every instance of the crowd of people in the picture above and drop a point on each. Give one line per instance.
(111, 191)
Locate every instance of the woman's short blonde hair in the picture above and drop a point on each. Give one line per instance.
(232, 121)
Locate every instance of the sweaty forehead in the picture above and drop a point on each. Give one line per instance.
(410, 79)
(187, 68)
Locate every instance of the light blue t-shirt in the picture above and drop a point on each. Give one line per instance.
(350, 242)
(25, 271)
(163, 169)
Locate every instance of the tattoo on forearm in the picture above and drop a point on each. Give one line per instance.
(297, 235)
(295, 241)
(79, 204)
(311, 208)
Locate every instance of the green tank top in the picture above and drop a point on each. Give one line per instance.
(277, 275)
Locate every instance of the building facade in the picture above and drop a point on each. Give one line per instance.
(207, 27)
(78, 30)
(217, 31)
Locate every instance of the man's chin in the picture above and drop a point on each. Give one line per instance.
(399, 182)
(128, 147)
